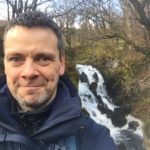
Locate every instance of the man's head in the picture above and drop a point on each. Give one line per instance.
(33, 59)
(36, 19)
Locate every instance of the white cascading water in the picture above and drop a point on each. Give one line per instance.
(125, 137)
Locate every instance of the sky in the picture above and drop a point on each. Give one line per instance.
(3, 12)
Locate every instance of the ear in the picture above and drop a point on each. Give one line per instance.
(62, 65)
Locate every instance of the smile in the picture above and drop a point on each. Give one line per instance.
(31, 88)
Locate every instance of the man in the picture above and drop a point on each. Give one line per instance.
(39, 108)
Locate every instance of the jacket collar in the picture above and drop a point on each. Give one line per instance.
(65, 115)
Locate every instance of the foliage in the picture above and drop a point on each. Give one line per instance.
(126, 72)
(147, 128)
(141, 109)
(72, 73)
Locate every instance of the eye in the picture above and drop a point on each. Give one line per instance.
(44, 58)
(15, 60)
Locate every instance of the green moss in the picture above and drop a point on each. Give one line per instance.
(71, 72)
(147, 143)
(147, 128)
(141, 109)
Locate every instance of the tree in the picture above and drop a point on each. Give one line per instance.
(141, 12)
(139, 18)
(110, 22)
(65, 14)
(15, 7)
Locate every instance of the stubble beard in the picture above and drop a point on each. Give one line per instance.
(38, 104)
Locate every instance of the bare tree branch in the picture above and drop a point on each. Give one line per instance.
(141, 13)
(68, 11)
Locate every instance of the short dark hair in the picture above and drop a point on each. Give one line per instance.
(37, 19)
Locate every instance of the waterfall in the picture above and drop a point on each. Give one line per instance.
(124, 128)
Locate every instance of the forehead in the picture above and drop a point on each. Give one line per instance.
(24, 38)
(19, 30)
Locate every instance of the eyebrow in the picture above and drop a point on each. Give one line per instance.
(38, 54)
(13, 54)
(34, 57)
(52, 56)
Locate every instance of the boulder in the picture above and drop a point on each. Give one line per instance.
(133, 125)
(83, 77)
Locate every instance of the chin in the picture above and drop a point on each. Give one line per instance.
(35, 99)
(32, 103)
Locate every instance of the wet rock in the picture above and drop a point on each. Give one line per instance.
(121, 146)
(99, 99)
(102, 109)
(95, 77)
(133, 125)
(83, 77)
(118, 120)
(93, 88)
(123, 110)
(132, 141)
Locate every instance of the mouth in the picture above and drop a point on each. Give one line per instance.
(31, 88)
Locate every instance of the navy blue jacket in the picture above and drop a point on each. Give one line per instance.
(65, 119)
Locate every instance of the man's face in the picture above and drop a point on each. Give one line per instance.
(32, 65)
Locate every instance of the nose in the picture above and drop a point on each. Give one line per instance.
(29, 70)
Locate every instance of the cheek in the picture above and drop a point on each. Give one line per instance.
(50, 72)
(12, 75)
(51, 76)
